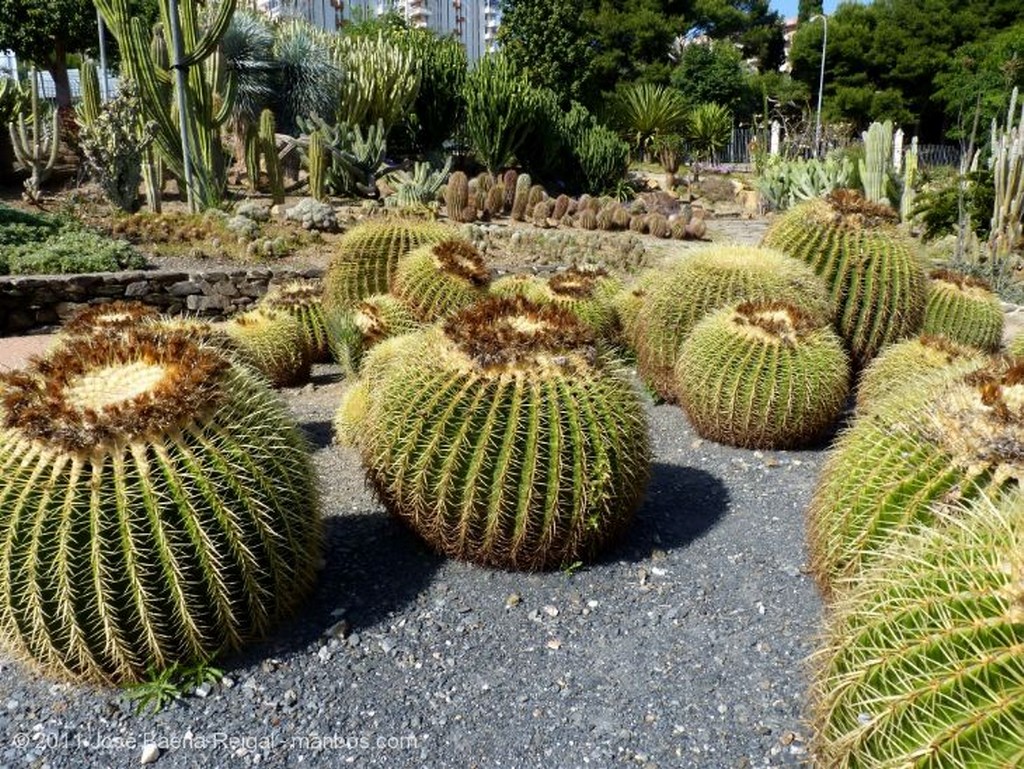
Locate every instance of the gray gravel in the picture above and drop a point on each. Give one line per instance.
(683, 647)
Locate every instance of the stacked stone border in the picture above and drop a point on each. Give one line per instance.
(37, 302)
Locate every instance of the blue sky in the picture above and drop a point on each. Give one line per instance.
(788, 7)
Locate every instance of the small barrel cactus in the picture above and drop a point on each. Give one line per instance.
(366, 256)
(437, 280)
(272, 342)
(907, 367)
(964, 309)
(302, 300)
(963, 437)
(923, 661)
(586, 219)
(763, 375)
(587, 292)
(109, 315)
(707, 280)
(159, 506)
(869, 265)
(504, 437)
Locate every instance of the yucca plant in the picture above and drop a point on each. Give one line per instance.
(437, 280)
(907, 367)
(159, 507)
(869, 265)
(965, 309)
(923, 661)
(679, 297)
(272, 342)
(309, 77)
(645, 110)
(763, 375)
(302, 300)
(500, 105)
(953, 440)
(708, 130)
(503, 437)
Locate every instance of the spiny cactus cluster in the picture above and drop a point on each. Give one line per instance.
(868, 264)
(503, 437)
(680, 296)
(439, 279)
(763, 375)
(959, 438)
(964, 309)
(159, 506)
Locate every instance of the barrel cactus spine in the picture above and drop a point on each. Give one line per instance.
(440, 279)
(964, 309)
(763, 375)
(173, 498)
(962, 438)
(513, 443)
(368, 323)
(869, 265)
(923, 661)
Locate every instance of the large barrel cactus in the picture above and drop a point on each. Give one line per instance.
(503, 437)
(587, 292)
(365, 258)
(907, 367)
(439, 279)
(157, 505)
(963, 437)
(679, 297)
(869, 265)
(923, 663)
(118, 314)
(302, 299)
(964, 309)
(763, 375)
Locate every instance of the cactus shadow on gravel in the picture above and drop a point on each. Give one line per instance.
(374, 568)
(680, 505)
(320, 433)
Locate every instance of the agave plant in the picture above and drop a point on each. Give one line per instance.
(708, 130)
(645, 110)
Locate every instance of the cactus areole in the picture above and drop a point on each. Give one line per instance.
(157, 505)
(505, 438)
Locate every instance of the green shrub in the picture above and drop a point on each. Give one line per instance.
(603, 158)
(500, 108)
(20, 227)
(72, 251)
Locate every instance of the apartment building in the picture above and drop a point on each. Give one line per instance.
(473, 22)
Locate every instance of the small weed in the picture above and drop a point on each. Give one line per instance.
(162, 687)
(571, 568)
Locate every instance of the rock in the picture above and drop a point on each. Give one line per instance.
(150, 753)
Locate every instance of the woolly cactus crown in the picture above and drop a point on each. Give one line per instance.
(775, 322)
(460, 257)
(110, 315)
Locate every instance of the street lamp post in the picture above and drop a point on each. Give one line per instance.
(821, 83)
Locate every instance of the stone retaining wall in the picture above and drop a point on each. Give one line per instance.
(29, 303)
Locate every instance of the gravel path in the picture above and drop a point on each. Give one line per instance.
(683, 647)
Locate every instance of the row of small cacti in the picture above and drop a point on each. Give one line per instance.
(486, 197)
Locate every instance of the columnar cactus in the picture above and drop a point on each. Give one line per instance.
(923, 662)
(365, 258)
(302, 300)
(907, 367)
(272, 342)
(521, 197)
(504, 438)
(437, 280)
(763, 375)
(963, 437)
(456, 196)
(964, 309)
(159, 507)
(35, 145)
(707, 280)
(268, 148)
(317, 164)
(869, 265)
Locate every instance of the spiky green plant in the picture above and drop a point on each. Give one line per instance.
(909, 366)
(586, 292)
(116, 315)
(923, 662)
(309, 77)
(677, 298)
(365, 258)
(371, 320)
(503, 437)
(272, 342)
(437, 280)
(708, 130)
(645, 110)
(302, 299)
(381, 79)
(500, 107)
(159, 507)
(627, 303)
(964, 309)
(763, 375)
(870, 266)
(962, 437)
